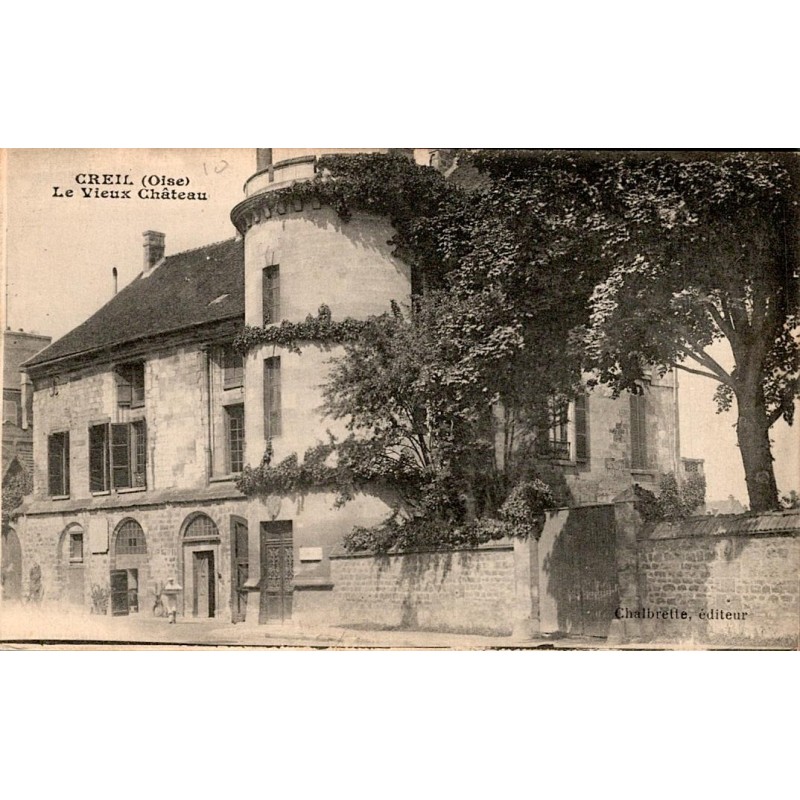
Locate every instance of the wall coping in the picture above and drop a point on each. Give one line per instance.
(339, 554)
(770, 523)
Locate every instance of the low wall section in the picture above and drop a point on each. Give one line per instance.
(461, 591)
(736, 578)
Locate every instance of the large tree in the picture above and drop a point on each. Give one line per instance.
(702, 248)
(463, 383)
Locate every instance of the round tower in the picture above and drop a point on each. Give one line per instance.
(299, 256)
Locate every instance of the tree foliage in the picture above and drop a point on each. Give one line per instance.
(17, 484)
(700, 250)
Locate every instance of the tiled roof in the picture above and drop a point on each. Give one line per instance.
(724, 525)
(186, 289)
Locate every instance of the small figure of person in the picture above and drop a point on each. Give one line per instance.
(170, 596)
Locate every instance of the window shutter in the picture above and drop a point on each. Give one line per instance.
(232, 369)
(98, 458)
(120, 456)
(137, 385)
(271, 294)
(272, 397)
(55, 464)
(638, 432)
(581, 429)
(65, 462)
(124, 387)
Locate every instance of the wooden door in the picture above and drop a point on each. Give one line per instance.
(241, 568)
(75, 585)
(119, 592)
(203, 573)
(277, 571)
(585, 565)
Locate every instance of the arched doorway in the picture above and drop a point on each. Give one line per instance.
(11, 565)
(200, 550)
(128, 564)
(71, 566)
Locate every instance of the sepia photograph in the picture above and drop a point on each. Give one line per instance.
(401, 398)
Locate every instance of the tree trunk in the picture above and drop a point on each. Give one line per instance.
(752, 432)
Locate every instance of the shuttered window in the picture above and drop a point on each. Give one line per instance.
(129, 455)
(271, 294)
(130, 385)
(99, 459)
(232, 369)
(58, 464)
(638, 432)
(272, 397)
(581, 428)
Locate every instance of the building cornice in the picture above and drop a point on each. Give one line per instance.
(208, 332)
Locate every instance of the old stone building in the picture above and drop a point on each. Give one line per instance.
(17, 447)
(146, 415)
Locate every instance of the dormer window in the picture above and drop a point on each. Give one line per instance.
(130, 385)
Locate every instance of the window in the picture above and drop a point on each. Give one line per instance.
(130, 385)
(130, 539)
(129, 455)
(554, 443)
(58, 464)
(76, 548)
(271, 294)
(581, 428)
(201, 527)
(232, 369)
(99, 459)
(272, 397)
(235, 424)
(10, 411)
(638, 432)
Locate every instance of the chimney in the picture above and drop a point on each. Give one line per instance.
(114, 279)
(263, 158)
(153, 249)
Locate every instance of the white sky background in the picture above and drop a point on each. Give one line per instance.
(60, 253)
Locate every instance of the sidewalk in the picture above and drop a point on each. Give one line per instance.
(25, 628)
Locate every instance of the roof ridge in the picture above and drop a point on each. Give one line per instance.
(202, 247)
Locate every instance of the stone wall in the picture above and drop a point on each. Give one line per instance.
(470, 591)
(45, 543)
(737, 580)
(175, 410)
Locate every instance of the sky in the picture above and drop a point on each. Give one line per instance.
(60, 252)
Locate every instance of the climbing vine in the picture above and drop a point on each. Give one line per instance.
(320, 330)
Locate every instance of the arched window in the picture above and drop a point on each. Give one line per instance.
(201, 527)
(130, 539)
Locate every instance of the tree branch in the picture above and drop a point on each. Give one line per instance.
(709, 363)
(697, 372)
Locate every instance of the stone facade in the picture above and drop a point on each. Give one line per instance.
(609, 470)
(266, 558)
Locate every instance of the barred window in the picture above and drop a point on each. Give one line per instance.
(130, 539)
